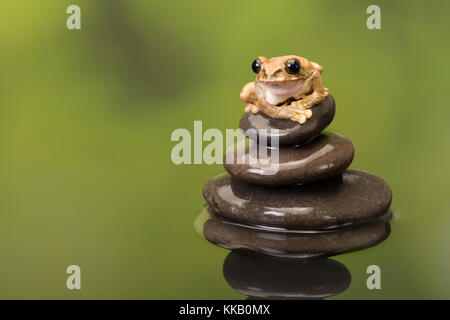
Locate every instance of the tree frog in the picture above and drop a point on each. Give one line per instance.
(285, 87)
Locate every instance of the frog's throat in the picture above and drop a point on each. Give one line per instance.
(279, 93)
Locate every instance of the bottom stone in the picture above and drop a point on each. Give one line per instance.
(291, 244)
(353, 198)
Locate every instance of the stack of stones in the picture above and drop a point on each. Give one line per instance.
(312, 206)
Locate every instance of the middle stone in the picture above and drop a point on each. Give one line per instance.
(329, 154)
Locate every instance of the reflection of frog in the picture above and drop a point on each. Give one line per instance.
(285, 87)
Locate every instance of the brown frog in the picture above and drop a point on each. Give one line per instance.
(285, 87)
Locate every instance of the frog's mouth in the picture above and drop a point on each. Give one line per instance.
(282, 84)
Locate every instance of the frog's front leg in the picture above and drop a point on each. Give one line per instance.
(248, 95)
(295, 113)
(286, 111)
(317, 95)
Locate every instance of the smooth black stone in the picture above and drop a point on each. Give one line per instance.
(354, 198)
(266, 277)
(326, 156)
(291, 132)
(299, 245)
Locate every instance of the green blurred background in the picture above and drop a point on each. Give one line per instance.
(87, 115)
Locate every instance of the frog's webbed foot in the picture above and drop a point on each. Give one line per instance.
(296, 111)
(250, 107)
(289, 110)
(301, 114)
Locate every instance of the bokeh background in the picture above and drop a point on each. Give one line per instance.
(86, 176)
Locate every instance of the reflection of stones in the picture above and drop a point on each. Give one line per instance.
(328, 155)
(356, 197)
(263, 277)
(291, 244)
(291, 132)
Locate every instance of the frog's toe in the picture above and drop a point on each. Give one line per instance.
(301, 119)
(308, 114)
(250, 108)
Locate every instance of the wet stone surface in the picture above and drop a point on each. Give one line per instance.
(353, 198)
(291, 132)
(327, 155)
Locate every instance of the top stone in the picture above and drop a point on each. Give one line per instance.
(291, 132)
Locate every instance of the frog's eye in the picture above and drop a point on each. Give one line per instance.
(292, 66)
(256, 66)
